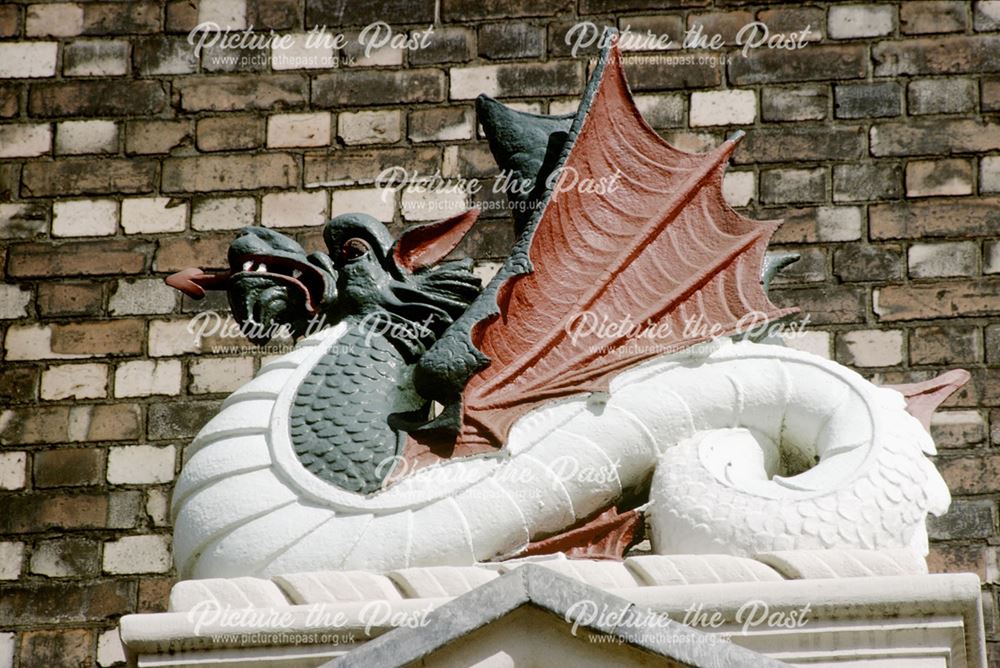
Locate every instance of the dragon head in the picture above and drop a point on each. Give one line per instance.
(399, 288)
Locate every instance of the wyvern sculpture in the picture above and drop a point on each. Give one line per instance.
(549, 436)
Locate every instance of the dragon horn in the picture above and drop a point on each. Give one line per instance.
(425, 245)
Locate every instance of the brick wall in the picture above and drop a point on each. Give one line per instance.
(124, 156)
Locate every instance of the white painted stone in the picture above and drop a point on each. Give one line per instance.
(222, 374)
(14, 301)
(141, 464)
(32, 342)
(875, 347)
(142, 296)
(419, 204)
(848, 21)
(110, 650)
(223, 213)
(301, 54)
(75, 381)
(377, 202)
(370, 127)
(27, 60)
(13, 469)
(80, 137)
(293, 130)
(57, 20)
(153, 215)
(839, 223)
(137, 554)
(723, 107)
(11, 560)
(24, 140)
(85, 218)
(293, 209)
(739, 188)
(224, 14)
(173, 337)
(142, 378)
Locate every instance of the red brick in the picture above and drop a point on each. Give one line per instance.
(65, 648)
(812, 63)
(10, 21)
(10, 100)
(203, 252)
(937, 218)
(76, 258)
(964, 298)
(110, 337)
(947, 558)
(934, 137)
(110, 97)
(69, 467)
(55, 299)
(154, 594)
(230, 172)
(82, 176)
(971, 475)
(937, 55)
(271, 92)
(62, 602)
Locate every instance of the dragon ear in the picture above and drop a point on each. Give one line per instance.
(425, 245)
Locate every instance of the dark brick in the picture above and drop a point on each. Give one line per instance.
(475, 160)
(472, 10)
(937, 55)
(679, 71)
(182, 15)
(353, 88)
(110, 19)
(10, 100)
(942, 96)
(792, 19)
(967, 298)
(784, 186)
(637, 32)
(446, 45)
(801, 145)
(230, 172)
(825, 305)
(877, 262)
(274, 14)
(70, 557)
(36, 512)
(99, 337)
(932, 16)
(952, 558)
(725, 24)
(995, 427)
(867, 100)
(488, 240)
(179, 419)
(945, 345)
(505, 40)
(991, 94)
(154, 594)
(270, 92)
(935, 137)
(611, 6)
(90, 258)
(85, 176)
(217, 58)
(109, 97)
(163, 54)
(338, 14)
(364, 166)
(867, 181)
(62, 602)
(18, 384)
(29, 222)
(958, 434)
(206, 252)
(809, 268)
(433, 124)
(65, 648)
(69, 467)
(55, 299)
(231, 132)
(562, 40)
(10, 21)
(993, 345)
(156, 136)
(971, 475)
(802, 103)
(808, 64)
(963, 217)
(10, 181)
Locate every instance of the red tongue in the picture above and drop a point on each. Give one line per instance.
(193, 281)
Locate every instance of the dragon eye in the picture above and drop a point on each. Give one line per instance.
(353, 249)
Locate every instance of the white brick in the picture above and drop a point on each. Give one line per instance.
(370, 127)
(384, 56)
(987, 15)
(466, 83)
(27, 60)
(32, 342)
(223, 213)
(560, 107)
(75, 381)
(815, 342)
(11, 560)
(100, 58)
(21, 221)
(300, 56)
(13, 470)
(874, 347)
(109, 649)
(420, 204)
(839, 223)
(293, 209)
(7, 647)
(991, 258)
(137, 554)
(85, 218)
(989, 174)
(143, 378)
(739, 188)
(13, 302)
(142, 296)
(223, 374)
(79, 137)
(158, 507)
(141, 464)
(485, 271)
(152, 215)
(224, 13)
(291, 130)
(849, 21)
(723, 107)
(377, 202)
(939, 260)
(24, 140)
(58, 20)
(173, 337)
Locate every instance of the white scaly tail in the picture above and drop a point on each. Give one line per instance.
(711, 426)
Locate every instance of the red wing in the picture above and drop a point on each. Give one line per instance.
(657, 251)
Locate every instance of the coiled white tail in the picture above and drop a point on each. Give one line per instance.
(748, 448)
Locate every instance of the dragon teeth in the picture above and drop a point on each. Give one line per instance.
(248, 265)
(296, 273)
(261, 267)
